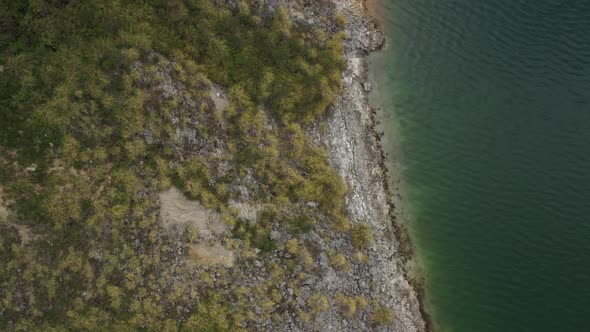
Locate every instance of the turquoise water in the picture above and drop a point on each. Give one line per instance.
(491, 105)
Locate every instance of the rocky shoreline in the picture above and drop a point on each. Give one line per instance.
(187, 206)
(348, 134)
(355, 151)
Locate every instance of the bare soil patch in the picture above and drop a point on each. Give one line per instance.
(178, 213)
(216, 254)
(219, 98)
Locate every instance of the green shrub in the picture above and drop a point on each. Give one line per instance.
(208, 317)
(348, 305)
(318, 303)
(302, 224)
(257, 235)
(381, 316)
(361, 236)
(340, 262)
(292, 246)
(340, 20)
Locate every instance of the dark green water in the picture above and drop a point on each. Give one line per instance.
(491, 104)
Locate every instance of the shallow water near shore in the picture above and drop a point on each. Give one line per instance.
(486, 109)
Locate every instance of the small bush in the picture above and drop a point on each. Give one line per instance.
(318, 303)
(209, 317)
(292, 247)
(381, 316)
(302, 224)
(339, 261)
(306, 258)
(361, 236)
(304, 316)
(256, 235)
(340, 20)
(191, 234)
(347, 305)
(361, 257)
(361, 302)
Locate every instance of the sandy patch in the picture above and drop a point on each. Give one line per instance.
(203, 254)
(178, 213)
(3, 209)
(24, 232)
(246, 211)
(218, 97)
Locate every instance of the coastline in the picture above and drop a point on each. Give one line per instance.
(392, 164)
(392, 168)
(355, 149)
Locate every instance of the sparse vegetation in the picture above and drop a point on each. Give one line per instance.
(292, 246)
(361, 236)
(340, 262)
(340, 20)
(348, 305)
(318, 303)
(381, 316)
(108, 104)
(362, 302)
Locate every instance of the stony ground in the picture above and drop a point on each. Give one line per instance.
(355, 151)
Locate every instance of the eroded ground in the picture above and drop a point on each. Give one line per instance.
(178, 214)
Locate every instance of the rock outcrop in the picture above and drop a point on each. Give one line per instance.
(355, 151)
